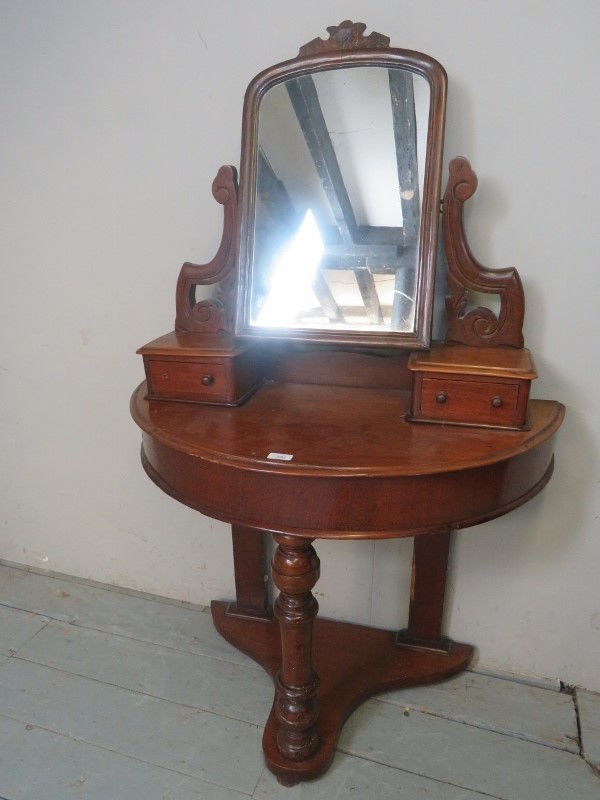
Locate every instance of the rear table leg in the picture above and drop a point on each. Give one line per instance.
(427, 593)
(249, 562)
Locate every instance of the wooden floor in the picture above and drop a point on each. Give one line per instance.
(106, 695)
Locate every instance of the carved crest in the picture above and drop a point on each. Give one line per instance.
(345, 36)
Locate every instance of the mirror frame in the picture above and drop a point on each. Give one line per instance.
(346, 47)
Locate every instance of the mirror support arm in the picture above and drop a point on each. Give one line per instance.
(216, 314)
(477, 327)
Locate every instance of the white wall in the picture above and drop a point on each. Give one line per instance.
(116, 115)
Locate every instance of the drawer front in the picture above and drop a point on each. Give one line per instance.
(467, 401)
(186, 380)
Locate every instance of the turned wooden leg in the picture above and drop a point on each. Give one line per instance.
(295, 571)
(353, 661)
(249, 563)
(427, 592)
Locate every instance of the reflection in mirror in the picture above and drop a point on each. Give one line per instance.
(339, 182)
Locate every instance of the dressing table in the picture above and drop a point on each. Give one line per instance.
(300, 396)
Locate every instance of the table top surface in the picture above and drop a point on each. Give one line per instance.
(333, 431)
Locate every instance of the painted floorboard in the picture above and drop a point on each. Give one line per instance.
(36, 764)
(106, 695)
(589, 718)
(221, 687)
(16, 627)
(183, 627)
(194, 743)
(473, 758)
(355, 779)
(529, 712)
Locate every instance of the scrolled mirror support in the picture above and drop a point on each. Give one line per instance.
(215, 314)
(477, 327)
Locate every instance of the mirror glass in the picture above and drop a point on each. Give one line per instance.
(339, 182)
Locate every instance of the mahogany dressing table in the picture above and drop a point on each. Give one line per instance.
(336, 417)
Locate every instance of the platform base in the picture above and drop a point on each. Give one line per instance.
(353, 663)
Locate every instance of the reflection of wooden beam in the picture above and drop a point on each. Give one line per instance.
(405, 134)
(379, 234)
(382, 251)
(378, 264)
(305, 100)
(326, 299)
(404, 300)
(272, 191)
(368, 292)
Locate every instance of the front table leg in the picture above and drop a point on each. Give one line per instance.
(353, 661)
(295, 571)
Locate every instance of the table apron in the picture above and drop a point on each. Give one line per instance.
(342, 506)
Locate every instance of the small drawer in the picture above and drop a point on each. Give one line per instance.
(479, 386)
(202, 368)
(201, 381)
(468, 401)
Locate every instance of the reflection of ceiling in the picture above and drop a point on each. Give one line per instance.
(346, 144)
(355, 107)
(362, 134)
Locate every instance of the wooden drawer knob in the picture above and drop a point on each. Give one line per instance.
(207, 380)
(441, 397)
(496, 401)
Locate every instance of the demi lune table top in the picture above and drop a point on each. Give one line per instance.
(367, 471)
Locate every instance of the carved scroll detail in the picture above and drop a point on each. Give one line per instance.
(211, 316)
(345, 36)
(479, 327)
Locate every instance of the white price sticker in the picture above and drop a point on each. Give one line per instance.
(280, 456)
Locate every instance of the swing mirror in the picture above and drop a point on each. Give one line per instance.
(340, 192)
